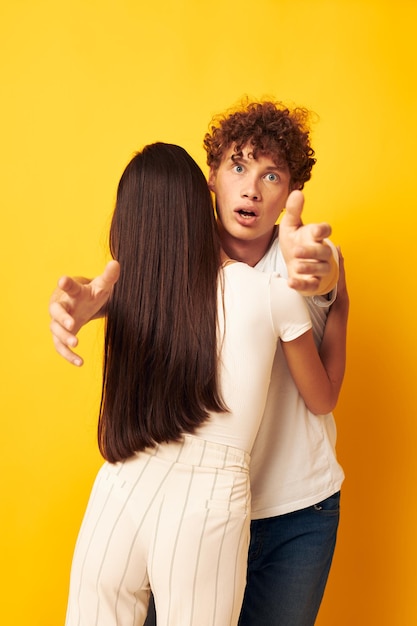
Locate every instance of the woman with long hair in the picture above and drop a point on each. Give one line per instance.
(189, 345)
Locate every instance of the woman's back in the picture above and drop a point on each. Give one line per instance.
(160, 369)
(255, 309)
(173, 363)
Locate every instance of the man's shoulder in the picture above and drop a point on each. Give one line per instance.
(273, 260)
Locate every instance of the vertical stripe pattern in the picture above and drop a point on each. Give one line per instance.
(174, 518)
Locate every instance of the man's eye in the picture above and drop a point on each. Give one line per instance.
(272, 177)
(238, 168)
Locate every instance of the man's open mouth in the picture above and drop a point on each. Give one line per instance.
(244, 213)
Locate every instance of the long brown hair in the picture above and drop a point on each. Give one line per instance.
(160, 358)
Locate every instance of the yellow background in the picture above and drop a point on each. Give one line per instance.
(85, 83)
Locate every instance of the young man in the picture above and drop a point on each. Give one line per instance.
(260, 157)
(257, 156)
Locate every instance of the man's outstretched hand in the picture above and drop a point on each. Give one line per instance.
(75, 302)
(312, 268)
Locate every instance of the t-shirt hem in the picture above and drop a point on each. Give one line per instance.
(291, 507)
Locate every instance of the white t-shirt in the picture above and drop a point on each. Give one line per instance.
(293, 460)
(259, 309)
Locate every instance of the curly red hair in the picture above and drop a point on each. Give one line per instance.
(270, 128)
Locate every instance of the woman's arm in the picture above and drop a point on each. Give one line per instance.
(319, 376)
(333, 346)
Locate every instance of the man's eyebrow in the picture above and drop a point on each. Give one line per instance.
(280, 168)
(239, 156)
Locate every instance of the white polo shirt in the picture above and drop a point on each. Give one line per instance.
(255, 310)
(293, 461)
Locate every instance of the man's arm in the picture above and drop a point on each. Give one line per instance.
(312, 267)
(75, 302)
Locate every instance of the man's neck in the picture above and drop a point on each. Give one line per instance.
(246, 251)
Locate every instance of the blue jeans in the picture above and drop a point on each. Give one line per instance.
(151, 617)
(289, 561)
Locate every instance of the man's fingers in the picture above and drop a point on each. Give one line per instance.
(310, 267)
(294, 209)
(292, 218)
(75, 302)
(312, 234)
(305, 286)
(321, 231)
(69, 285)
(73, 286)
(61, 335)
(321, 253)
(58, 312)
(68, 355)
(109, 276)
(62, 341)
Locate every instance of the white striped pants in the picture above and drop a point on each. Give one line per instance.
(174, 518)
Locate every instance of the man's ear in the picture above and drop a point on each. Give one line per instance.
(211, 181)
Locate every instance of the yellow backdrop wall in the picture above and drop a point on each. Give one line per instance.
(86, 83)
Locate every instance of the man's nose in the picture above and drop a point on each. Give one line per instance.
(251, 189)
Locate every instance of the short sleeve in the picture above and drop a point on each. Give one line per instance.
(289, 312)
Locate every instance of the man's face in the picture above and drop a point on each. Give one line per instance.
(250, 194)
